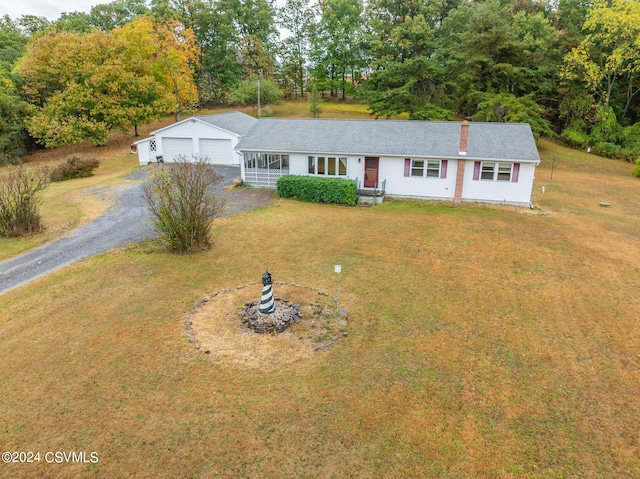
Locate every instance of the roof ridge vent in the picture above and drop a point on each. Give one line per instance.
(464, 138)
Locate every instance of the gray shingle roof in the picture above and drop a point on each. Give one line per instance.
(234, 121)
(513, 141)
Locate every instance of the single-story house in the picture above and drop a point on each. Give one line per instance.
(213, 136)
(456, 161)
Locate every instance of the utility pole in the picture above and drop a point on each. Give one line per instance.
(258, 97)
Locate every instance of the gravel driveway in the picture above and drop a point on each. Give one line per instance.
(127, 221)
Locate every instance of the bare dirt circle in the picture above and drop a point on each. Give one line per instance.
(215, 327)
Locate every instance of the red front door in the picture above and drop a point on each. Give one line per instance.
(371, 171)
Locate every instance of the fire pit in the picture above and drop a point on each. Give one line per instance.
(227, 325)
(269, 314)
(284, 314)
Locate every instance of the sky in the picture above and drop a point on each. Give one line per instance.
(51, 9)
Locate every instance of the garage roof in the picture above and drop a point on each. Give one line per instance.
(234, 121)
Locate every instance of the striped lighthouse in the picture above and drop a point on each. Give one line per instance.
(266, 302)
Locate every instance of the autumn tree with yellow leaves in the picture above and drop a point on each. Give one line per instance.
(608, 58)
(177, 58)
(83, 86)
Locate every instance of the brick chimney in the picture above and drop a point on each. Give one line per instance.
(462, 151)
(464, 138)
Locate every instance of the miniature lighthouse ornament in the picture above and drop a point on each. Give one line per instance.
(266, 302)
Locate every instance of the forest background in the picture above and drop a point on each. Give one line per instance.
(570, 68)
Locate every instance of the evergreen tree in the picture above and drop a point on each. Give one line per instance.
(314, 100)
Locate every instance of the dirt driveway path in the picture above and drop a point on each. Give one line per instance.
(127, 221)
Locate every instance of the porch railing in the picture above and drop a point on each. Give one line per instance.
(264, 176)
(379, 189)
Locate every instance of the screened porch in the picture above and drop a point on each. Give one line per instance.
(264, 169)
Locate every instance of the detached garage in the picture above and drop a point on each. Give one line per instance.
(213, 137)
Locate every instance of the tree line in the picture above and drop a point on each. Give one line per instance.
(568, 67)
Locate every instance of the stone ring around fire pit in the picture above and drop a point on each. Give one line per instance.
(285, 314)
(227, 325)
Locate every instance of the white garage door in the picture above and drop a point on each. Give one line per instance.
(218, 151)
(172, 147)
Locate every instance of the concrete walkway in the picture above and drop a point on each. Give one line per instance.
(127, 221)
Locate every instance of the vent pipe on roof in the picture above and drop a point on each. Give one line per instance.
(464, 138)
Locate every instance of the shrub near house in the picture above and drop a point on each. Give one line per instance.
(318, 190)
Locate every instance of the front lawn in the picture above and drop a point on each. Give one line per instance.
(483, 342)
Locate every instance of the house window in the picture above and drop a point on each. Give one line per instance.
(488, 171)
(425, 168)
(152, 145)
(342, 166)
(328, 166)
(433, 168)
(331, 170)
(496, 171)
(504, 171)
(417, 168)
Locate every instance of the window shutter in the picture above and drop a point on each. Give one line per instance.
(407, 166)
(516, 172)
(476, 170)
(443, 168)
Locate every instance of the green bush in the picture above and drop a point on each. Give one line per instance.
(608, 150)
(631, 137)
(246, 93)
(75, 166)
(611, 150)
(630, 155)
(576, 138)
(636, 169)
(318, 190)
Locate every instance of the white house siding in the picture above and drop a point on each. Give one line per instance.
(144, 155)
(507, 192)
(392, 169)
(194, 131)
(299, 165)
